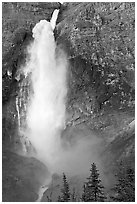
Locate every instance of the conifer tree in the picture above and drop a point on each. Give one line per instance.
(59, 199)
(49, 198)
(84, 193)
(65, 197)
(124, 190)
(73, 196)
(93, 189)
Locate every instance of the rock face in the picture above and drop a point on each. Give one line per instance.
(23, 16)
(22, 178)
(99, 39)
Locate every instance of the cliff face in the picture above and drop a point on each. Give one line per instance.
(100, 44)
(99, 39)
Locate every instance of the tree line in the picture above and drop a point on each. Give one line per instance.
(94, 191)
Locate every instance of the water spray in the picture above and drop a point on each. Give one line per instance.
(47, 70)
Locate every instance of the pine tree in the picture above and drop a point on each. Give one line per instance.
(93, 189)
(124, 190)
(84, 193)
(65, 197)
(49, 199)
(73, 196)
(59, 199)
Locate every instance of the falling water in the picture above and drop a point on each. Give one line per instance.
(54, 18)
(21, 102)
(45, 69)
(18, 112)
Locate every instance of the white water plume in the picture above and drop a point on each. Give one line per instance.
(46, 110)
(54, 18)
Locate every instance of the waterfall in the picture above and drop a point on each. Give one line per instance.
(18, 112)
(21, 102)
(54, 18)
(41, 101)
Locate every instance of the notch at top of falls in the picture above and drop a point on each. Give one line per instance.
(54, 18)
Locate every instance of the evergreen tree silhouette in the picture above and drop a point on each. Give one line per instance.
(93, 189)
(59, 199)
(65, 197)
(124, 190)
(84, 193)
(73, 196)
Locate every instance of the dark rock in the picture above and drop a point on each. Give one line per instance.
(22, 177)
